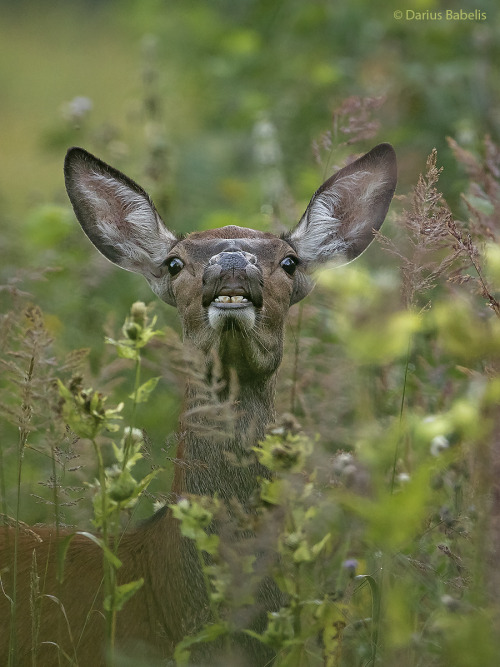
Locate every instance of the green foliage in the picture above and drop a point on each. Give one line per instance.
(137, 332)
(195, 517)
(382, 527)
(381, 507)
(84, 411)
(115, 490)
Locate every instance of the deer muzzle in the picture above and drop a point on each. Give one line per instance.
(232, 280)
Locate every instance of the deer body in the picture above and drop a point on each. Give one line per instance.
(232, 287)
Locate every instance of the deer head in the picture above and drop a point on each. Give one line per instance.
(232, 286)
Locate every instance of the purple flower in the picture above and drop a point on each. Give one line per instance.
(350, 565)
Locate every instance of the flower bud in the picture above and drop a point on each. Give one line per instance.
(138, 312)
(122, 487)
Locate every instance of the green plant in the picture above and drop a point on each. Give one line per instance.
(385, 526)
(115, 491)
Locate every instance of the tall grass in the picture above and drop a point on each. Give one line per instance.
(383, 507)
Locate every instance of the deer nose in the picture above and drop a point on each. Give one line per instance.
(232, 259)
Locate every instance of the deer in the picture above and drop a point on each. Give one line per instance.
(233, 288)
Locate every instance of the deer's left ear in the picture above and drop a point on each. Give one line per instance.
(338, 223)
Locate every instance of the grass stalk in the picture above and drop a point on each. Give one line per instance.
(24, 431)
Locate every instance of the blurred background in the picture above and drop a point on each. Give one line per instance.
(227, 112)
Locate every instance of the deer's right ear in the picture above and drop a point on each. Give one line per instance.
(116, 214)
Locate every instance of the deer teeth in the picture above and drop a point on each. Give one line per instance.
(230, 299)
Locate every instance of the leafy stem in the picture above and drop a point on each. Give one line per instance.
(116, 490)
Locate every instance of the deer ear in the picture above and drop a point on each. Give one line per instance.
(338, 223)
(116, 214)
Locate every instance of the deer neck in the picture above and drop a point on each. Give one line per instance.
(224, 418)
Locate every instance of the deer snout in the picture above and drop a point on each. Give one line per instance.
(235, 276)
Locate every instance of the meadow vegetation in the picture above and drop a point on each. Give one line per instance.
(384, 499)
(384, 504)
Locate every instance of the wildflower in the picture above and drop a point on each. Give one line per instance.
(451, 603)
(76, 109)
(133, 435)
(350, 565)
(439, 444)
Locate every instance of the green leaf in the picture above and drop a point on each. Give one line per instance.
(122, 594)
(62, 550)
(302, 553)
(140, 486)
(127, 352)
(249, 564)
(208, 543)
(64, 391)
(334, 620)
(272, 491)
(144, 391)
(375, 591)
(110, 556)
(208, 633)
(316, 548)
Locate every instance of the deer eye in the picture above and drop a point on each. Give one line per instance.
(174, 265)
(289, 264)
